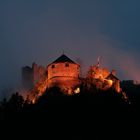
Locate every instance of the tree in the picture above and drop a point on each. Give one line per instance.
(15, 102)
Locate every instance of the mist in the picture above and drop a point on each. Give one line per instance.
(40, 30)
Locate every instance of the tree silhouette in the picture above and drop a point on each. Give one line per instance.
(16, 102)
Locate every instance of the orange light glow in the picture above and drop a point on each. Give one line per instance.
(110, 82)
(77, 90)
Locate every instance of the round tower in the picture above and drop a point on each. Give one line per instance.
(64, 73)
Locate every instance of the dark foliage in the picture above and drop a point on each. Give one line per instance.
(92, 114)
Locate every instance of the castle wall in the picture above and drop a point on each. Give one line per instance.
(27, 77)
(66, 84)
(32, 75)
(63, 69)
(38, 72)
(64, 75)
(64, 81)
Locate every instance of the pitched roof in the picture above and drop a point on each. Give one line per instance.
(111, 76)
(63, 58)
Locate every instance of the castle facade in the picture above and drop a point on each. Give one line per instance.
(63, 72)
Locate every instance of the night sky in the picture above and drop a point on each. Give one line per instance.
(40, 30)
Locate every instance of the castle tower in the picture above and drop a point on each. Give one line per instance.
(27, 77)
(63, 72)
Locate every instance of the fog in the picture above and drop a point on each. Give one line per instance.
(40, 30)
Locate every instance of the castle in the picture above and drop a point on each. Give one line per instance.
(31, 75)
(65, 74)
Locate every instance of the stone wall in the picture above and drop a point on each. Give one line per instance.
(38, 72)
(64, 75)
(63, 69)
(32, 75)
(66, 84)
(27, 77)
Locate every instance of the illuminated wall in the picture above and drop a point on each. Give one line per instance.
(63, 69)
(64, 75)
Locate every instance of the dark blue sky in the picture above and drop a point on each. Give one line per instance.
(39, 30)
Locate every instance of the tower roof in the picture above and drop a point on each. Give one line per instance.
(63, 58)
(111, 76)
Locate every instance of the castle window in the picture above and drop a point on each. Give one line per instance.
(66, 65)
(53, 66)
